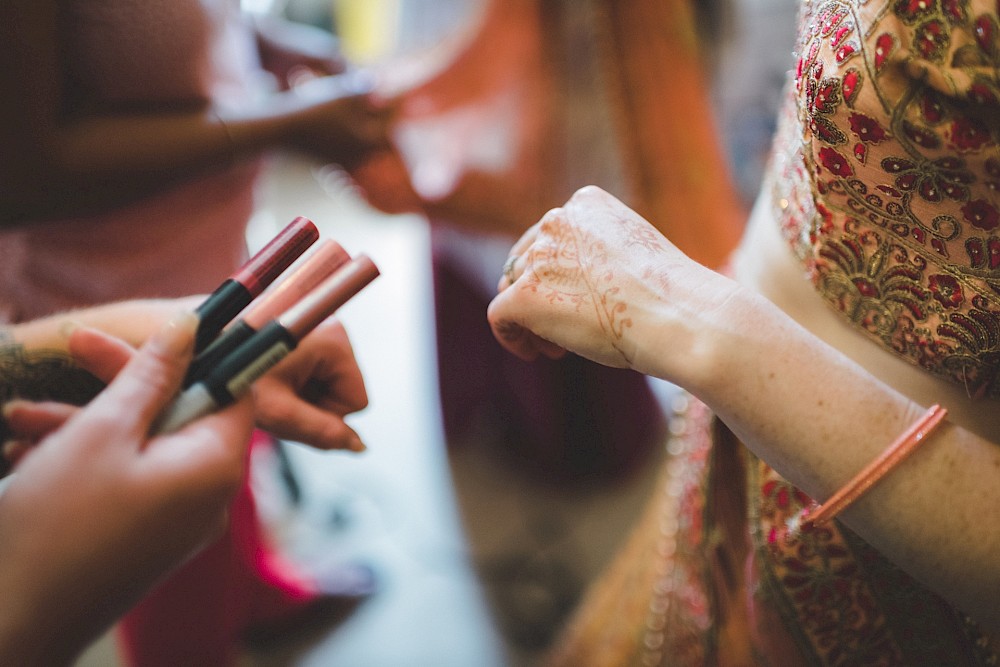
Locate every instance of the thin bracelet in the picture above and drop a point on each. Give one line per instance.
(225, 128)
(894, 454)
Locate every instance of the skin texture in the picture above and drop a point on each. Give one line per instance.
(594, 278)
(128, 507)
(305, 398)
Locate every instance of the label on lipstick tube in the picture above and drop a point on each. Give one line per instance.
(241, 382)
(231, 377)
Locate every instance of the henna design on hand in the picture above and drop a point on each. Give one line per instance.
(40, 375)
(571, 269)
(637, 233)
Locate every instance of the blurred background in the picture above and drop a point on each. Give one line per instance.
(480, 556)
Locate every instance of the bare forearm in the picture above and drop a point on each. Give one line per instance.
(109, 160)
(132, 321)
(94, 162)
(818, 418)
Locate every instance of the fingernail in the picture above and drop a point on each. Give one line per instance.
(177, 335)
(13, 450)
(68, 327)
(355, 445)
(11, 406)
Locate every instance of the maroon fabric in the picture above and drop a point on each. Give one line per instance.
(567, 421)
(197, 615)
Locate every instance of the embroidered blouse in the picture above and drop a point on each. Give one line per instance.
(888, 183)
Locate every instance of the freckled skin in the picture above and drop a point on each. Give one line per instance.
(811, 411)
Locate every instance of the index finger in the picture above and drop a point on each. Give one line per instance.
(99, 353)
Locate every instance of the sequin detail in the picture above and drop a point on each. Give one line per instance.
(886, 177)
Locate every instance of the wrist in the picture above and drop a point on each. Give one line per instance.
(688, 334)
(26, 631)
(273, 119)
(132, 321)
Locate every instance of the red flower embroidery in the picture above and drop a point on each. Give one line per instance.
(826, 130)
(865, 287)
(986, 33)
(851, 84)
(954, 11)
(860, 153)
(884, 46)
(783, 495)
(845, 52)
(968, 134)
(835, 162)
(929, 190)
(824, 96)
(841, 34)
(946, 290)
(980, 93)
(913, 10)
(932, 40)
(983, 254)
(867, 129)
(920, 136)
(944, 177)
(830, 18)
(981, 214)
(931, 108)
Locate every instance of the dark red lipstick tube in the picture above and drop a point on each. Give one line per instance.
(328, 257)
(233, 295)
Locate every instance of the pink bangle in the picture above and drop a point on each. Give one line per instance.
(894, 454)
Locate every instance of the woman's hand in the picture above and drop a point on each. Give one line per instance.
(304, 398)
(307, 395)
(344, 122)
(595, 278)
(100, 510)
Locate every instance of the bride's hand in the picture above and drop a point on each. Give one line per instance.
(595, 278)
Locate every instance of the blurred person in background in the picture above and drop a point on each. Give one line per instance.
(133, 136)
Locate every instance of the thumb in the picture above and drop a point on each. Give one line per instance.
(153, 376)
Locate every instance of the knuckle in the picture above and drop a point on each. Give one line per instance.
(553, 214)
(104, 422)
(588, 191)
(149, 371)
(274, 413)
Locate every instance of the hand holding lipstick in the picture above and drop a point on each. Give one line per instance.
(305, 398)
(233, 375)
(100, 510)
(307, 395)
